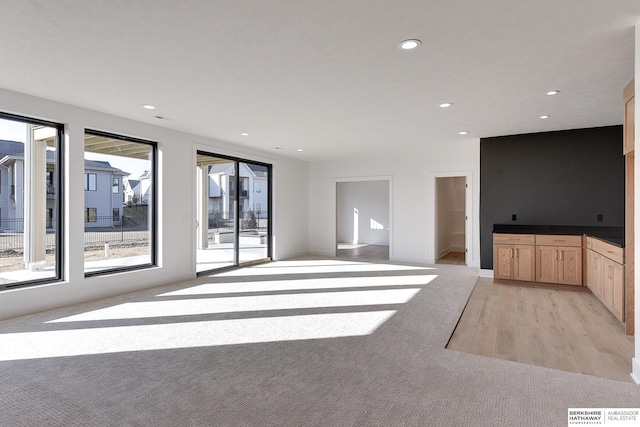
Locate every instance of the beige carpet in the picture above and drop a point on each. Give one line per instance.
(296, 343)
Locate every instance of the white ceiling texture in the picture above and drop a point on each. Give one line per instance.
(327, 76)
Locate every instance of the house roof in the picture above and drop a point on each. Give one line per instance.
(15, 150)
(328, 77)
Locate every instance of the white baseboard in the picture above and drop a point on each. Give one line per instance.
(635, 370)
(486, 273)
(475, 264)
(443, 252)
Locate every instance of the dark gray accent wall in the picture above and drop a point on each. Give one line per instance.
(552, 178)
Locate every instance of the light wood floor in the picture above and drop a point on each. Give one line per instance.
(369, 252)
(559, 329)
(455, 258)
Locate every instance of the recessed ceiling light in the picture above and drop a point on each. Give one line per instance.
(463, 132)
(244, 134)
(148, 107)
(544, 117)
(553, 92)
(446, 105)
(300, 149)
(409, 44)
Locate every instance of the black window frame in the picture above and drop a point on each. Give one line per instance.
(153, 219)
(234, 183)
(58, 220)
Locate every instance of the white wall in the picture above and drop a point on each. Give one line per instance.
(636, 360)
(412, 236)
(176, 202)
(371, 199)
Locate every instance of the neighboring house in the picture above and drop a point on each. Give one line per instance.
(131, 191)
(102, 185)
(252, 194)
(145, 188)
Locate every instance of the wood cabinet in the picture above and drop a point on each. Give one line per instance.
(559, 259)
(628, 95)
(514, 257)
(605, 275)
(613, 290)
(538, 258)
(594, 273)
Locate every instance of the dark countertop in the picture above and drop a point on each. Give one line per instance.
(614, 235)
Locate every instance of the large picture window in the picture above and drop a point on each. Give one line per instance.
(30, 201)
(119, 219)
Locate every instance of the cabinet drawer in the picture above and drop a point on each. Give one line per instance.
(514, 239)
(612, 252)
(590, 242)
(548, 240)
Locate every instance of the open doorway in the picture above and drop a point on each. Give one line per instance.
(451, 220)
(362, 219)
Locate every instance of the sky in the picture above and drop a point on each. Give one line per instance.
(16, 131)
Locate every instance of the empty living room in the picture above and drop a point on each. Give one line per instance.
(302, 213)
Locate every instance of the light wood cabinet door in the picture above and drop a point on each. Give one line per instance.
(502, 261)
(594, 272)
(524, 262)
(628, 95)
(570, 266)
(547, 264)
(613, 288)
(597, 275)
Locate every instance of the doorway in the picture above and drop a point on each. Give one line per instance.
(233, 212)
(451, 220)
(362, 219)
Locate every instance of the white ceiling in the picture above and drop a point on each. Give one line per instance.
(327, 75)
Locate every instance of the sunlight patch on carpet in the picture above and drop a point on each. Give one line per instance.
(78, 342)
(302, 284)
(189, 307)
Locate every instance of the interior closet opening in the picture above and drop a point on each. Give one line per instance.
(451, 220)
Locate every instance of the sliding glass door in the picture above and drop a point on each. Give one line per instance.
(233, 212)
(253, 203)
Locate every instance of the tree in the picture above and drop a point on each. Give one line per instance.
(250, 220)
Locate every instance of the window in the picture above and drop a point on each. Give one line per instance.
(133, 245)
(31, 242)
(90, 215)
(90, 182)
(50, 186)
(257, 187)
